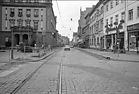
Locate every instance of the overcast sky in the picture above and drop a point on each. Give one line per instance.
(68, 14)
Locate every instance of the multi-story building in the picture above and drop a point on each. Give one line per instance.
(114, 23)
(132, 19)
(28, 21)
(96, 26)
(65, 40)
(75, 38)
(83, 24)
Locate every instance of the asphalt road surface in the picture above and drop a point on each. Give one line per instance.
(74, 72)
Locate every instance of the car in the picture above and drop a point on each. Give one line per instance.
(66, 48)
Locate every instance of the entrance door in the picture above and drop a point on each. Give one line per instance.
(17, 39)
(25, 39)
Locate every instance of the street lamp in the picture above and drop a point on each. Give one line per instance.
(117, 27)
(12, 56)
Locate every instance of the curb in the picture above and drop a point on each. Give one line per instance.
(106, 57)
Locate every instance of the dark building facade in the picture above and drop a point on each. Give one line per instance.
(29, 21)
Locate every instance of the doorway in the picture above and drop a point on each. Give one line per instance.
(17, 39)
(25, 39)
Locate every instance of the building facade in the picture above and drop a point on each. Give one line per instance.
(114, 30)
(83, 28)
(132, 12)
(113, 24)
(96, 26)
(28, 21)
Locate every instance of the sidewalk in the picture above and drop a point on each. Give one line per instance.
(116, 56)
(21, 57)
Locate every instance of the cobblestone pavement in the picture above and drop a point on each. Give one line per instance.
(85, 75)
(45, 81)
(81, 74)
(11, 81)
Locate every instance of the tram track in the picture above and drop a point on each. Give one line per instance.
(49, 57)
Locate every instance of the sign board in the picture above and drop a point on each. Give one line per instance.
(118, 40)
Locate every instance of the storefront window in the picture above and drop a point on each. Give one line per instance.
(132, 41)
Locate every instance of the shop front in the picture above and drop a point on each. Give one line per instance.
(133, 37)
(111, 41)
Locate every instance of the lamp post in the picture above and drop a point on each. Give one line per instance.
(117, 27)
(12, 56)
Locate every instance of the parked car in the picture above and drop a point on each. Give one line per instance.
(26, 49)
(66, 48)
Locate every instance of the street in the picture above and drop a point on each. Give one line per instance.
(74, 72)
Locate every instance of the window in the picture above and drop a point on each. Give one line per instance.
(138, 11)
(101, 9)
(106, 21)
(41, 11)
(20, 12)
(20, 0)
(111, 4)
(12, 13)
(107, 7)
(6, 24)
(116, 18)
(97, 40)
(28, 12)
(36, 24)
(101, 22)
(28, 1)
(130, 14)
(6, 12)
(36, 12)
(122, 15)
(111, 21)
(36, 1)
(27, 22)
(41, 24)
(117, 2)
(122, 1)
(20, 22)
(6, 0)
(12, 22)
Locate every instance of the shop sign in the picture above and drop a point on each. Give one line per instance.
(133, 27)
(118, 40)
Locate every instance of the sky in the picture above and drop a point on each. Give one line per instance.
(68, 14)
